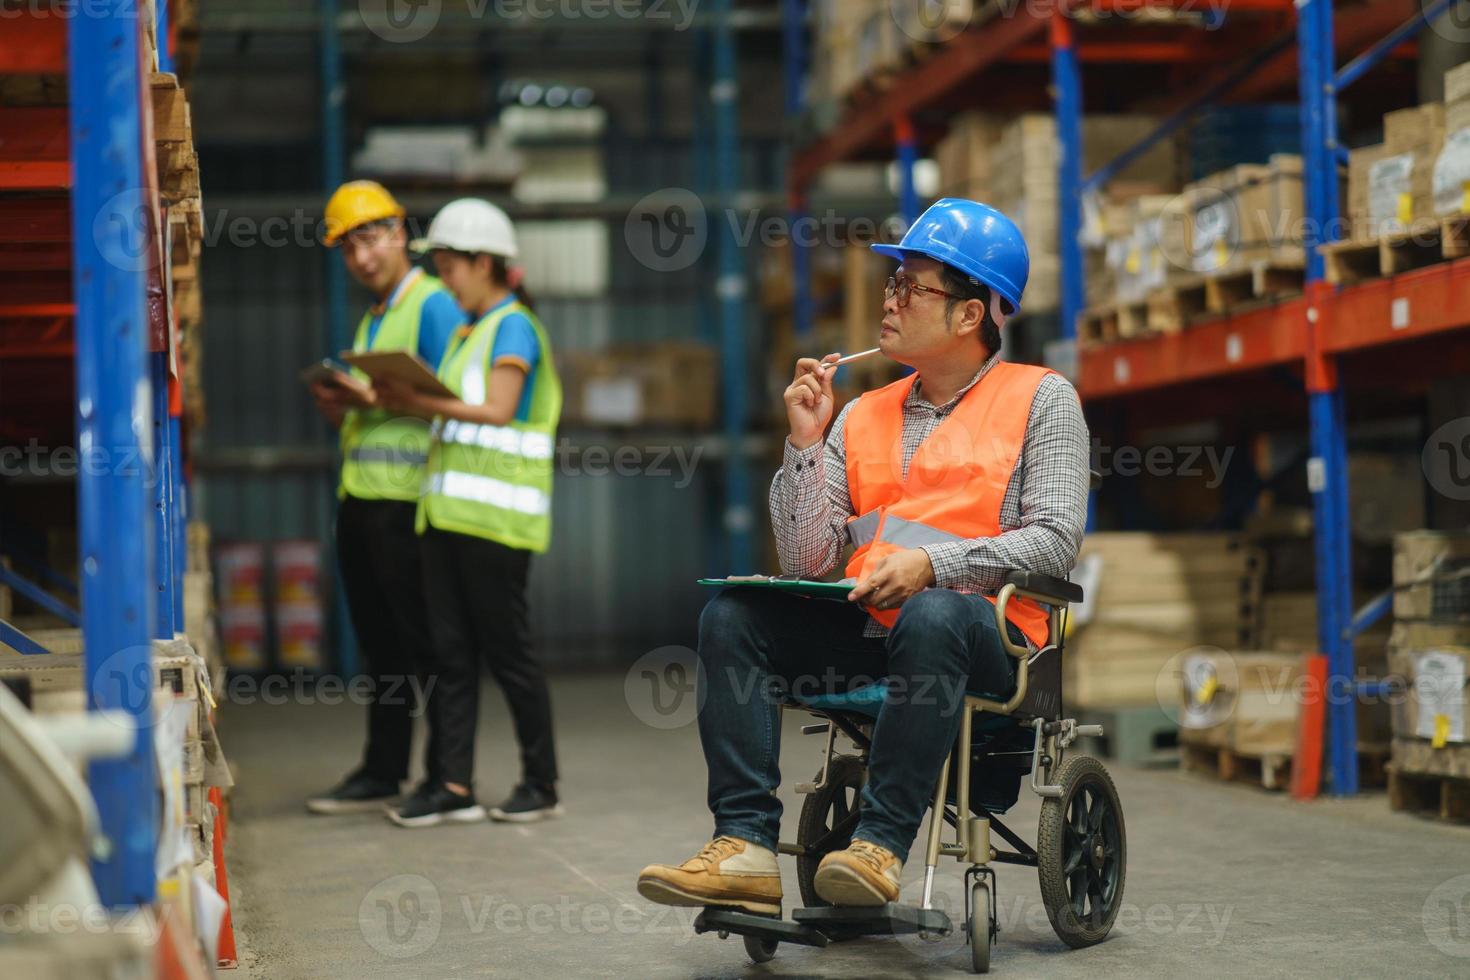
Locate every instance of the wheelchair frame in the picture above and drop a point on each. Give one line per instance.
(1030, 706)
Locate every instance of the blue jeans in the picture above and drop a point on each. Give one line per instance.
(759, 646)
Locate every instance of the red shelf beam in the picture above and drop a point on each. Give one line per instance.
(34, 43)
(34, 153)
(1248, 342)
(1424, 303)
(962, 58)
(1401, 308)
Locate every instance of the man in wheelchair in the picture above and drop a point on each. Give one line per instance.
(943, 482)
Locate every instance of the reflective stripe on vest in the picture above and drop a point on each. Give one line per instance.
(955, 482)
(532, 445)
(383, 455)
(494, 481)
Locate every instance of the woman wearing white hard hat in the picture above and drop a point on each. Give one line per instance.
(485, 508)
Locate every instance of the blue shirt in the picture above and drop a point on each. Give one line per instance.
(516, 343)
(439, 317)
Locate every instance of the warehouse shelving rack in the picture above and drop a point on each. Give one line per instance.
(1314, 333)
(87, 313)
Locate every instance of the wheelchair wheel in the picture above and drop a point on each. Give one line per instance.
(980, 927)
(760, 950)
(824, 812)
(1082, 853)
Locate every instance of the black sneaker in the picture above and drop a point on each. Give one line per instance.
(358, 793)
(529, 802)
(435, 803)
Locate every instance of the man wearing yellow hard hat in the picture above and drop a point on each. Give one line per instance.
(383, 456)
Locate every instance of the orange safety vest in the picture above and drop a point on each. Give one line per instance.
(956, 480)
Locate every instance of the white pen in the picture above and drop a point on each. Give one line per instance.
(851, 357)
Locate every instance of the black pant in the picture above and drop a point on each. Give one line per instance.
(378, 558)
(476, 592)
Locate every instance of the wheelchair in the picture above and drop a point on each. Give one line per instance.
(1081, 848)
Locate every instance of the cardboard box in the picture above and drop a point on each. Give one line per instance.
(1360, 164)
(662, 384)
(1446, 601)
(1434, 676)
(1245, 214)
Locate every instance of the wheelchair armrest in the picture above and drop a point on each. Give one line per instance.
(1057, 590)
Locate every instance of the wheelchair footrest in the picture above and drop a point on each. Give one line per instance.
(742, 923)
(874, 920)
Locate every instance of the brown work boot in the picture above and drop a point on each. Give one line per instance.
(728, 871)
(863, 874)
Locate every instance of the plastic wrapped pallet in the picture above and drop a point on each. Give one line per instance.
(1360, 167)
(1246, 702)
(1401, 183)
(1249, 213)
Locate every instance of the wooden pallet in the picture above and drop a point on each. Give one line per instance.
(1226, 765)
(1444, 797)
(1426, 243)
(1273, 770)
(1138, 735)
(1265, 279)
(1404, 251)
(1454, 236)
(1172, 307)
(1098, 325)
(1351, 261)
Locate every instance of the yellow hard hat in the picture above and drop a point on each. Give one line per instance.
(356, 203)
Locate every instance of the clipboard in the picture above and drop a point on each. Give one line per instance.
(786, 583)
(398, 365)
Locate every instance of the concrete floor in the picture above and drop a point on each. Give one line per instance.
(1222, 880)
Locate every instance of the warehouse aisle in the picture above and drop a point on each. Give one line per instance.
(1223, 880)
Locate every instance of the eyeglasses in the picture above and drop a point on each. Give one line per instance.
(903, 287)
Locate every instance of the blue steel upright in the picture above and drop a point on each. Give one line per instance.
(1067, 85)
(793, 58)
(110, 250)
(333, 93)
(908, 161)
(739, 518)
(161, 477)
(1327, 474)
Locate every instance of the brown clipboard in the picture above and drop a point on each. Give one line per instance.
(398, 365)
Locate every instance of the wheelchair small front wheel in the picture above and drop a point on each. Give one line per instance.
(1082, 853)
(760, 950)
(980, 927)
(828, 818)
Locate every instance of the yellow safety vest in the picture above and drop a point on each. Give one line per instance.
(493, 481)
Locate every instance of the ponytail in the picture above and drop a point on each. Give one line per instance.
(503, 274)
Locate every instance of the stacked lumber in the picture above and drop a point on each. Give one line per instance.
(1151, 598)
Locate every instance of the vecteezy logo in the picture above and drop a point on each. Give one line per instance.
(665, 687)
(929, 20)
(400, 21)
(1453, 24)
(1446, 917)
(667, 230)
(1446, 459)
(1191, 687)
(120, 231)
(400, 916)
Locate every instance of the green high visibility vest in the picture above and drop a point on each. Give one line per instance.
(383, 455)
(493, 481)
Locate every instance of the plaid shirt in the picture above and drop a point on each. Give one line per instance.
(1042, 515)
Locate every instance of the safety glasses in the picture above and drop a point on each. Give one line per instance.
(903, 287)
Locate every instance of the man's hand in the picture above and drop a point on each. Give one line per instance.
(894, 578)
(809, 400)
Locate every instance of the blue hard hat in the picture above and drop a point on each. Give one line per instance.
(974, 238)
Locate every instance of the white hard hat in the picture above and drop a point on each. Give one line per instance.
(470, 225)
